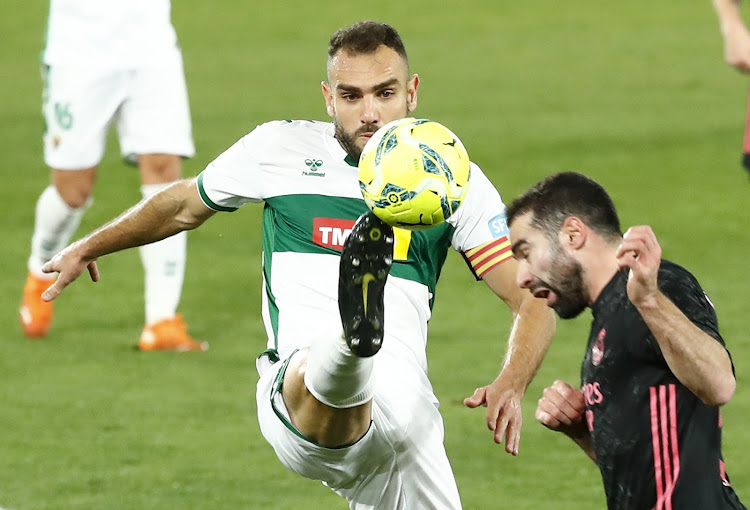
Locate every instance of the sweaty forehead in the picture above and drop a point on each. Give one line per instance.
(521, 223)
(521, 229)
(380, 65)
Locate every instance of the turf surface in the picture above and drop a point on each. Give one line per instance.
(634, 94)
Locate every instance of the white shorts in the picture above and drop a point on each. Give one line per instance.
(150, 106)
(399, 464)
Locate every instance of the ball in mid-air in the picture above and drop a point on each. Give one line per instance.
(414, 173)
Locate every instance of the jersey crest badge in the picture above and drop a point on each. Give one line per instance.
(597, 351)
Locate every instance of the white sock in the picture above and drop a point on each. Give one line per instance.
(54, 225)
(164, 267)
(335, 376)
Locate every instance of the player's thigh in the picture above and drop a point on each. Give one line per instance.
(78, 105)
(336, 467)
(405, 409)
(400, 460)
(156, 117)
(417, 474)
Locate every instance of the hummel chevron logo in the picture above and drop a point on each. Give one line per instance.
(314, 165)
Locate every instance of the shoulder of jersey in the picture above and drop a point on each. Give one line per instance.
(291, 126)
(280, 132)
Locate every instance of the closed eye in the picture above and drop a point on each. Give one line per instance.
(520, 250)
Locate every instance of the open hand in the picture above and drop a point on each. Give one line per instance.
(70, 264)
(504, 416)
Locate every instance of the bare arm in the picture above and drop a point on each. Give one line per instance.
(735, 34)
(696, 359)
(529, 340)
(172, 210)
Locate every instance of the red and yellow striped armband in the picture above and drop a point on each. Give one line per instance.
(488, 255)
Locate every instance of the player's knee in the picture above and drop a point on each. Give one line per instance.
(294, 389)
(76, 196)
(159, 168)
(74, 186)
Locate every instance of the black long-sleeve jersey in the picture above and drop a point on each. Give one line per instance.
(657, 445)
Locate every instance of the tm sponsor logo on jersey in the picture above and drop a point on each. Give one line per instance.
(499, 226)
(313, 166)
(331, 232)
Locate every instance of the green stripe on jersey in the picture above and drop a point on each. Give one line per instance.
(208, 201)
(273, 309)
(316, 224)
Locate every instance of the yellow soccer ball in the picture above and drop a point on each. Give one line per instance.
(414, 173)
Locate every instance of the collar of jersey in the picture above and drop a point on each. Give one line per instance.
(335, 147)
(611, 292)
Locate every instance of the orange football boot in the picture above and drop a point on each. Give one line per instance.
(169, 335)
(35, 315)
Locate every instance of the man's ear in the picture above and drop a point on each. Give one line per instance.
(328, 96)
(574, 232)
(411, 93)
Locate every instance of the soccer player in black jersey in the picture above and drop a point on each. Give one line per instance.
(656, 368)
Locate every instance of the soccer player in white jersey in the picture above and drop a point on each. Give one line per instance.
(367, 425)
(112, 61)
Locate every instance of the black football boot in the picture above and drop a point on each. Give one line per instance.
(366, 260)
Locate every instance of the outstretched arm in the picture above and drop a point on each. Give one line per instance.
(696, 359)
(735, 34)
(530, 337)
(172, 210)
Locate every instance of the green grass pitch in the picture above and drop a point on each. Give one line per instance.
(635, 94)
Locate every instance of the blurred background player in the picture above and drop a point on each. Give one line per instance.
(112, 61)
(735, 33)
(736, 53)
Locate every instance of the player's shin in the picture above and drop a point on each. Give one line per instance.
(335, 376)
(54, 225)
(164, 266)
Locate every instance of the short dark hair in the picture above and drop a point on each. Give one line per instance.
(365, 37)
(566, 194)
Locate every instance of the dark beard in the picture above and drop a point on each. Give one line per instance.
(347, 141)
(572, 297)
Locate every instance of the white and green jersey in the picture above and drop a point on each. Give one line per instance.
(311, 193)
(120, 34)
